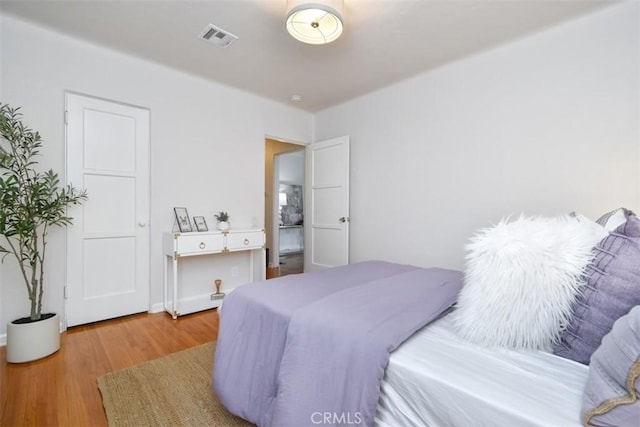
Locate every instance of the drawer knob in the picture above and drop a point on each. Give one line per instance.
(246, 242)
(202, 245)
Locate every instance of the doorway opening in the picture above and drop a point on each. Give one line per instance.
(284, 207)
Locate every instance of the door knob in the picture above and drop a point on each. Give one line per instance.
(344, 219)
(142, 223)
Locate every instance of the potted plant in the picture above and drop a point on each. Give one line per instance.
(223, 220)
(30, 203)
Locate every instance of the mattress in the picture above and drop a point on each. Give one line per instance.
(437, 379)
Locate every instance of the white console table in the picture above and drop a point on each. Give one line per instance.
(178, 245)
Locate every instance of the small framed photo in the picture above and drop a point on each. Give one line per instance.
(183, 219)
(201, 224)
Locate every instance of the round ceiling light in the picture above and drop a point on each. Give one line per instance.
(317, 22)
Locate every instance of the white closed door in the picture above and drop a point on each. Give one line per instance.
(327, 215)
(108, 243)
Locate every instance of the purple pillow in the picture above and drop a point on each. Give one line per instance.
(610, 397)
(612, 287)
(614, 219)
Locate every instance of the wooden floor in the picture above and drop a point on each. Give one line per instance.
(61, 389)
(289, 264)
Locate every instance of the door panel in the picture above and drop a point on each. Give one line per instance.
(113, 150)
(328, 194)
(325, 203)
(325, 239)
(99, 280)
(108, 192)
(108, 243)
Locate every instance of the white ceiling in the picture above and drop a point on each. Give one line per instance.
(384, 40)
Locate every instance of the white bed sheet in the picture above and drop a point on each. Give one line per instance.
(437, 379)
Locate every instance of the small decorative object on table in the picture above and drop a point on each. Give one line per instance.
(223, 220)
(182, 217)
(218, 294)
(201, 224)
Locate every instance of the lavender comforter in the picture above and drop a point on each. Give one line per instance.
(311, 349)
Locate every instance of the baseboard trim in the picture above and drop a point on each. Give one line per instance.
(156, 308)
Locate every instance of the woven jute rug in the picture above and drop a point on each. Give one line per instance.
(174, 390)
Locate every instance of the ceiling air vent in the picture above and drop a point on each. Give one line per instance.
(218, 36)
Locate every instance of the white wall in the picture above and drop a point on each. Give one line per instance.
(547, 124)
(207, 140)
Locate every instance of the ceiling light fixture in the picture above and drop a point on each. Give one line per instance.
(316, 21)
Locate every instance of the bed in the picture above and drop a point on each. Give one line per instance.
(313, 347)
(545, 332)
(261, 376)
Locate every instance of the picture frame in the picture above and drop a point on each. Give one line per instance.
(182, 218)
(200, 223)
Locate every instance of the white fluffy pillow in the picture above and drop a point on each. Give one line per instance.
(521, 279)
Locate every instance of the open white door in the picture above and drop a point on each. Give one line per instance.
(327, 189)
(108, 243)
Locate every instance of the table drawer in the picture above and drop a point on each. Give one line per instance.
(200, 243)
(245, 240)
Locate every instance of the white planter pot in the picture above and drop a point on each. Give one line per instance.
(223, 225)
(32, 341)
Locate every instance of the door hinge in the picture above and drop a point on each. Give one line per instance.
(66, 117)
(65, 291)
